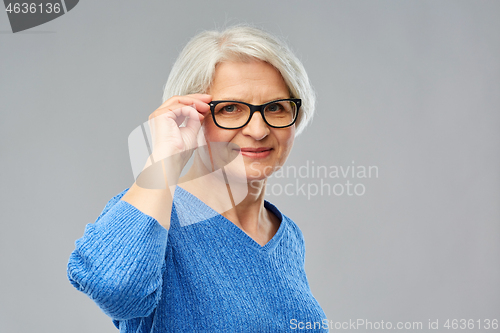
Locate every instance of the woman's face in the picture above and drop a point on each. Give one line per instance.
(263, 149)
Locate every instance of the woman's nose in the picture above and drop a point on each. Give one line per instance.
(257, 127)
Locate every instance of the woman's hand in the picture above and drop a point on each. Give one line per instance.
(169, 139)
(152, 193)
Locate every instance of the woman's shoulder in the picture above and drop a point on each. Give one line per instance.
(188, 209)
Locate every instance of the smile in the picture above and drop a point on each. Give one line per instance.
(256, 152)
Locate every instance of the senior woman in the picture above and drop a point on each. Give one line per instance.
(210, 254)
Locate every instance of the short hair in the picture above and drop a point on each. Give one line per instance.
(194, 69)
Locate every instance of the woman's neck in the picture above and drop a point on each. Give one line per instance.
(240, 202)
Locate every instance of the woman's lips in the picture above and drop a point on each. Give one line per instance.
(261, 152)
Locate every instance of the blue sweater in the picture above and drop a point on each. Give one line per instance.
(204, 274)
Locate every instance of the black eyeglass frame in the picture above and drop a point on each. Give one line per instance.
(256, 108)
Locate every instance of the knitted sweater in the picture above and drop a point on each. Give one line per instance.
(204, 274)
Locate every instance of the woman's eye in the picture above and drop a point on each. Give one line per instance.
(274, 107)
(229, 108)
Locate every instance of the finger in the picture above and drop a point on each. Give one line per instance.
(183, 112)
(169, 108)
(197, 104)
(194, 119)
(202, 97)
(192, 126)
(162, 127)
(198, 100)
(176, 118)
(178, 106)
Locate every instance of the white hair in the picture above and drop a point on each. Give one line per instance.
(194, 69)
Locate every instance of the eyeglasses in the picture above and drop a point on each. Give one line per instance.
(234, 114)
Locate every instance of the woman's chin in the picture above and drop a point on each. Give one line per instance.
(240, 175)
(253, 174)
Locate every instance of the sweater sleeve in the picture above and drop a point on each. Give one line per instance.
(120, 260)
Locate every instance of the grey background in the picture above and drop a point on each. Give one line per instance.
(409, 86)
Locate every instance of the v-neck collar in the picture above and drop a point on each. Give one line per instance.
(190, 209)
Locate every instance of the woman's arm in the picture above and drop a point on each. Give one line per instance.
(172, 148)
(119, 261)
